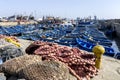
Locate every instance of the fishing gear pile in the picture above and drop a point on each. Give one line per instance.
(80, 63)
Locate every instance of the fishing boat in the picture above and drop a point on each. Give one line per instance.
(66, 41)
(20, 29)
(84, 23)
(10, 31)
(26, 37)
(62, 43)
(34, 38)
(101, 41)
(73, 35)
(89, 46)
(2, 30)
(14, 30)
(79, 30)
(117, 56)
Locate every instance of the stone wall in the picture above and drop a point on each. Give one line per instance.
(117, 28)
(16, 23)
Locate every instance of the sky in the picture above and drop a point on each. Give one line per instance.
(103, 9)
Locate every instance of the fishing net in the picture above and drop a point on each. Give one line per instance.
(80, 63)
(9, 50)
(14, 65)
(45, 70)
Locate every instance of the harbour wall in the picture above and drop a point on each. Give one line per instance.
(117, 29)
(115, 26)
(16, 23)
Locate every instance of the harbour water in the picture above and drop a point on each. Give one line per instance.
(1, 61)
(115, 43)
(115, 47)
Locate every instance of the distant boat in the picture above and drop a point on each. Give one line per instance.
(85, 23)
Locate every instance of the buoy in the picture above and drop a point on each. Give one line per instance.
(98, 51)
(12, 41)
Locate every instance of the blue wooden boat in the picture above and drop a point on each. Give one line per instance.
(20, 29)
(117, 56)
(62, 43)
(73, 35)
(29, 28)
(104, 42)
(10, 31)
(55, 34)
(89, 46)
(27, 37)
(14, 30)
(85, 45)
(66, 41)
(2, 30)
(79, 30)
(84, 23)
(47, 39)
(34, 38)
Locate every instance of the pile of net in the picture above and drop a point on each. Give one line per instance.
(31, 67)
(46, 70)
(12, 66)
(9, 50)
(80, 63)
